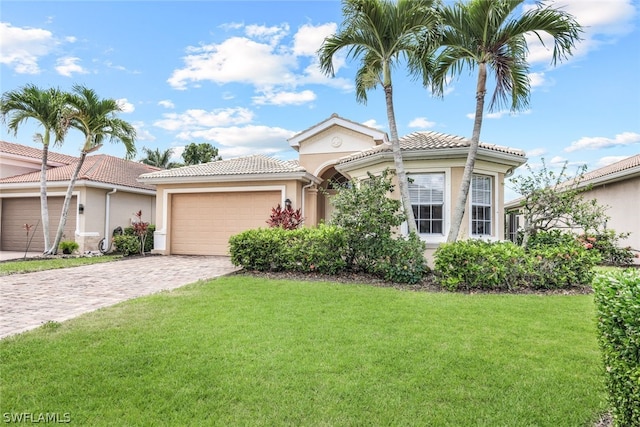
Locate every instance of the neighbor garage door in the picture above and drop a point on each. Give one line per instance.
(201, 223)
(16, 212)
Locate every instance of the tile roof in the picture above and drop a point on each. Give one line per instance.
(100, 168)
(256, 164)
(614, 168)
(427, 140)
(332, 117)
(35, 153)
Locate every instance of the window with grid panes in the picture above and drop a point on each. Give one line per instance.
(481, 204)
(427, 200)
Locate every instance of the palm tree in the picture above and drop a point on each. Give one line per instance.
(47, 108)
(380, 33)
(95, 118)
(159, 159)
(488, 35)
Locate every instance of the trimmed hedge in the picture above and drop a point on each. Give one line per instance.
(617, 298)
(477, 264)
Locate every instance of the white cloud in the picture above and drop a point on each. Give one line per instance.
(125, 105)
(598, 142)
(500, 114)
(557, 161)
(609, 160)
(536, 79)
(373, 124)
(272, 35)
(22, 48)
(200, 119)
(602, 21)
(536, 152)
(422, 123)
(284, 98)
(309, 38)
(237, 141)
(166, 103)
(141, 133)
(68, 66)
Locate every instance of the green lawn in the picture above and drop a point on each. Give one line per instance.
(249, 351)
(31, 265)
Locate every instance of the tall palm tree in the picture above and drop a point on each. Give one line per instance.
(47, 108)
(96, 119)
(490, 36)
(382, 33)
(159, 159)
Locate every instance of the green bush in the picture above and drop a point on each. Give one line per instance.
(562, 266)
(127, 244)
(404, 261)
(477, 264)
(606, 243)
(319, 249)
(617, 298)
(148, 240)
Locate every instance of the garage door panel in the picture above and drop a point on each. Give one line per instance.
(202, 223)
(26, 210)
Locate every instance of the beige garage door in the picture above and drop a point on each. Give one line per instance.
(201, 223)
(26, 210)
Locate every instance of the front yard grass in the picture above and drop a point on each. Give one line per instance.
(31, 265)
(250, 351)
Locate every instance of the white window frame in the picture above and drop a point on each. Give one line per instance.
(446, 223)
(494, 207)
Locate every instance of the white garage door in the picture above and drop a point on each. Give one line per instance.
(201, 223)
(16, 212)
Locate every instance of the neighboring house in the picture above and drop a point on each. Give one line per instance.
(106, 195)
(199, 207)
(617, 187)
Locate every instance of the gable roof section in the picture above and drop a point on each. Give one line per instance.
(336, 120)
(437, 143)
(8, 149)
(251, 167)
(100, 168)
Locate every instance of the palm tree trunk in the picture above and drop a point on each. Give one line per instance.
(65, 206)
(461, 201)
(44, 207)
(403, 182)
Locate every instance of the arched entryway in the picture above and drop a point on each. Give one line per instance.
(331, 179)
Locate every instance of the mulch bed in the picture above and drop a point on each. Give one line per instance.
(426, 285)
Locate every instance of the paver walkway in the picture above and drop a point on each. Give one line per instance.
(29, 300)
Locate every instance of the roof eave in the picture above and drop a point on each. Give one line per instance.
(281, 176)
(80, 183)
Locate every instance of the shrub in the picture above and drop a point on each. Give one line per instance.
(617, 298)
(286, 218)
(148, 239)
(606, 243)
(562, 266)
(320, 249)
(68, 246)
(477, 264)
(127, 244)
(404, 261)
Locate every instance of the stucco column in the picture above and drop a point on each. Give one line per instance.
(311, 207)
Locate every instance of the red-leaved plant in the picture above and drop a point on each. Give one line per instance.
(140, 229)
(287, 218)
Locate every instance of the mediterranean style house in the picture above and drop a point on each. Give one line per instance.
(106, 195)
(199, 207)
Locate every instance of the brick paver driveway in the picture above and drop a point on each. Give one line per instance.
(29, 300)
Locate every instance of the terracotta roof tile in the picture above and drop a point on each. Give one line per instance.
(35, 153)
(256, 164)
(622, 165)
(431, 141)
(100, 168)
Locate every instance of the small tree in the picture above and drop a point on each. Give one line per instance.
(286, 218)
(551, 200)
(195, 154)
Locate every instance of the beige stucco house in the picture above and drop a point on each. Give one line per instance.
(617, 187)
(199, 207)
(106, 195)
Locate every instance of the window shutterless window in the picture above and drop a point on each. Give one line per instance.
(427, 200)
(481, 204)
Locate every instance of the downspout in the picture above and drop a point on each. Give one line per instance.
(107, 210)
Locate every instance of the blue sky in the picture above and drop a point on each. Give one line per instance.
(243, 76)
